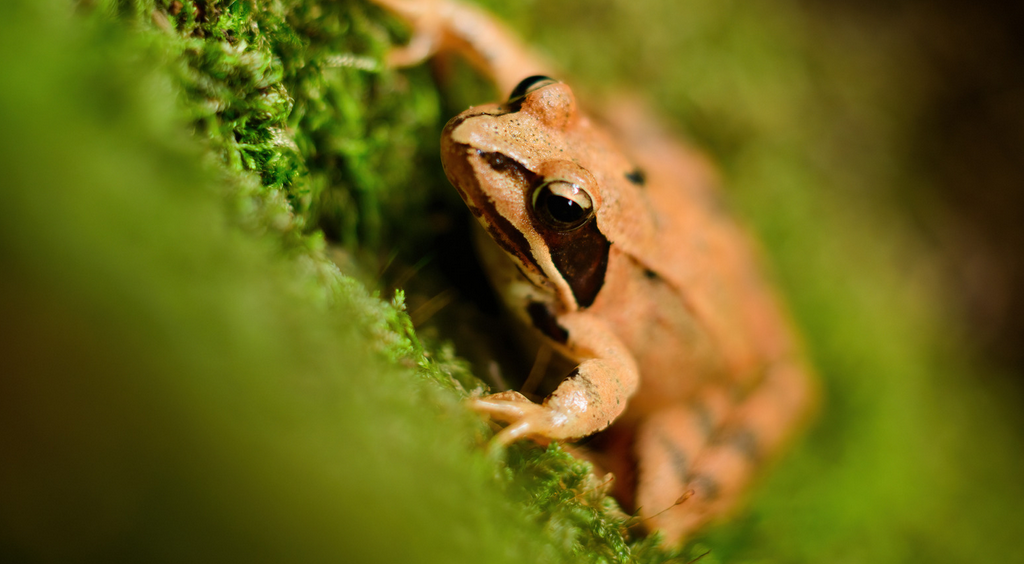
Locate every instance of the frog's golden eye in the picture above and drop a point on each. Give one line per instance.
(528, 85)
(562, 205)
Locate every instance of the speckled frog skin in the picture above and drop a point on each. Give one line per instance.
(610, 243)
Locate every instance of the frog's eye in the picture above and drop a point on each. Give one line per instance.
(562, 205)
(528, 85)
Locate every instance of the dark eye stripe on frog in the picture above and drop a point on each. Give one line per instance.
(510, 239)
(580, 256)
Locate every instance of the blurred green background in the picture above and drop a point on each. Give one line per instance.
(210, 211)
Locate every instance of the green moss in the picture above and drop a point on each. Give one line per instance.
(191, 373)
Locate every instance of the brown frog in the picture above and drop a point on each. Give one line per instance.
(608, 238)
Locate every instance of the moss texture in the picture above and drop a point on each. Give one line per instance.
(190, 376)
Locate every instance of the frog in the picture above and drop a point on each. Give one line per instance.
(608, 240)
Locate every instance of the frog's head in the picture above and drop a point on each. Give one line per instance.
(524, 168)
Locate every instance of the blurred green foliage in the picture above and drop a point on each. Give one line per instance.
(189, 376)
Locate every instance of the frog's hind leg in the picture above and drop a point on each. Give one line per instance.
(667, 446)
(450, 26)
(695, 461)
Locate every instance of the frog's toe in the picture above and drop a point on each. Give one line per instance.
(536, 425)
(507, 396)
(526, 420)
(504, 406)
(519, 430)
(500, 409)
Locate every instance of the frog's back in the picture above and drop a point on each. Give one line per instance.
(703, 282)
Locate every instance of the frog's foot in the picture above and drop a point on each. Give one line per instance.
(695, 461)
(525, 418)
(425, 19)
(584, 403)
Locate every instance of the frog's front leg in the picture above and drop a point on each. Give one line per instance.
(588, 400)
